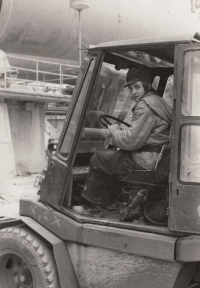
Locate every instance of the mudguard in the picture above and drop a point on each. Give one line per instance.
(66, 273)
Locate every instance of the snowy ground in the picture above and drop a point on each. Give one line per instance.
(13, 189)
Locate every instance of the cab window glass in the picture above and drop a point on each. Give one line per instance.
(71, 130)
(190, 154)
(191, 84)
(109, 97)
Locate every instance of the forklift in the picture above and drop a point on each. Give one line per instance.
(157, 241)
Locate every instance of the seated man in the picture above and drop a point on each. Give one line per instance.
(139, 146)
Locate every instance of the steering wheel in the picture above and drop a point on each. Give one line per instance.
(103, 118)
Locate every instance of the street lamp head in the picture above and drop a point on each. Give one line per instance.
(79, 4)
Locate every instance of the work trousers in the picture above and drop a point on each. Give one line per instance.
(102, 164)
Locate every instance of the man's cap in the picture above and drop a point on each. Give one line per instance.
(135, 75)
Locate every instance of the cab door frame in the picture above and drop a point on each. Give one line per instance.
(183, 196)
(58, 175)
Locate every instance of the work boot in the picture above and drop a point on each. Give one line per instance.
(88, 209)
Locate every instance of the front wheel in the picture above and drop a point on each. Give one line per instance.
(25, 260)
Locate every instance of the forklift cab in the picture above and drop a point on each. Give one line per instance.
(174, 185)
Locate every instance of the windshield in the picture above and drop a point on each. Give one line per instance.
(109, 97)
(79, 101)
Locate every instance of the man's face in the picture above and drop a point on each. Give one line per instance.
(136, 91)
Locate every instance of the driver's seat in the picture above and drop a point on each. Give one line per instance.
(153, 177)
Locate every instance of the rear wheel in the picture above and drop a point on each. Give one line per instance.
(25, 260)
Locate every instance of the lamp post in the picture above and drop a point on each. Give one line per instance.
(79, 5)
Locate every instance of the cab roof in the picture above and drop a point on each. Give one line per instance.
(161, 48)
(171, 40)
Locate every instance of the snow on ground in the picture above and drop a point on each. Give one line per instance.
(12, 190)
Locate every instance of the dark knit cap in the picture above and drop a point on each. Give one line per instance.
(135, 75)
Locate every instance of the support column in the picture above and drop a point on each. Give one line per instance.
(27, 120)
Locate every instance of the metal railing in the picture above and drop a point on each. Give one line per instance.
(38, 76)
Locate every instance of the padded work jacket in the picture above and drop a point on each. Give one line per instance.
(150, 127)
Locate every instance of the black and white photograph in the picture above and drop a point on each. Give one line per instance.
(100, 144)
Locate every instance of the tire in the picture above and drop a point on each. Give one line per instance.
(26, 261)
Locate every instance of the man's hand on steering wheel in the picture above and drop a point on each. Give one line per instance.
(113, 128)
(104, 120)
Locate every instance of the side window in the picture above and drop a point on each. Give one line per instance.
(191, 84)
(190, 153)
(190, 107)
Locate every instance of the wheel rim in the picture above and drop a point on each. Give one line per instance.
(15, 271)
